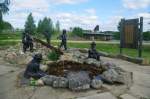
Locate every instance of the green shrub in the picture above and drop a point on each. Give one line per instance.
(53, 56)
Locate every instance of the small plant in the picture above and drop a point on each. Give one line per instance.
(53, 56)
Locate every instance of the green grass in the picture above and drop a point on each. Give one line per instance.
(10, 39)
(8, 36)
(109, 48)
(112, 49)
(8, 43)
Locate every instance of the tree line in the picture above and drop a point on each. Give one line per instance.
(47, 25)
(44, 25)
(3, 10)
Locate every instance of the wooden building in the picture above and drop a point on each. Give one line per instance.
(105, 36)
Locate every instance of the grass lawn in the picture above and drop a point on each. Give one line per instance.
(112, 49)
(8, 36)
(12, 39)
(109, 48)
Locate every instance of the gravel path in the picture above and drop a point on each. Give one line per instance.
(140, 88)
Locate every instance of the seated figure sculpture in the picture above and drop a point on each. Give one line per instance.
(33, 68)
(92, 53)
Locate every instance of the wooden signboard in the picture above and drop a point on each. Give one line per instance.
(131, 34)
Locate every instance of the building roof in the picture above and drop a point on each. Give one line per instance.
(98, 33)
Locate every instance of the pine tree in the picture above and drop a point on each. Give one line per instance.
(45, 25)
(30, 26)
(39, 27)
(3, 9)
(57, 27)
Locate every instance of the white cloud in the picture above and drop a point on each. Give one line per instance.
(111, 23)
(29, 5)
(136, 4)
(19, 9)
(86, 18)
(68, 20)
(67, 1)
(145, 15)
(146, 20)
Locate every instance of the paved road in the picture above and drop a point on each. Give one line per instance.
(140, 88)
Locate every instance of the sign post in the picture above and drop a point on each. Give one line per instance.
(131, 35)
(140, 37)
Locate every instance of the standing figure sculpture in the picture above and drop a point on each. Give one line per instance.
(27, 41)
(92, 53)
(63, 38)
(33, 68)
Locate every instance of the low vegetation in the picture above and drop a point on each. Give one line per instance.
(14, 38)
(53, 56)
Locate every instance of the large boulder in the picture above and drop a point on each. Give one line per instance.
(96, 83)
(48, 80)
(107, 65)
(60, 82)
(79, 80)
(110, 76)
(11, 57)
(24, 59)
(91, 61)
(54, 81)
(75, 55)
(117, 75)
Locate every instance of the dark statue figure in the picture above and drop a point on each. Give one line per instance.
(47, 36)
(63, 38)
(27, 41)
(33, 68)
(96, 28)
(92, 53)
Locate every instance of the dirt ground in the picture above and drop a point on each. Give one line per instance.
(139, 90)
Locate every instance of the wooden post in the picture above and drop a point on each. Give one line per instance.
(140, 37)
(121, 34)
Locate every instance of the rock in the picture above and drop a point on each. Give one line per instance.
(80, 88)
(96, 83)
(66, 56)
(57, 82)
(110, 76)
(48, 62)
(107, 65)
(11, 56)
(91, 61)
(75, 56)
(60, 82)
(78, 80)
(39, 83)
(118, 75)
(48, 80)
(23, 59)
(44, 68)
(84, 50)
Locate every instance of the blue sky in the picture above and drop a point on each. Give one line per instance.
(83, 13)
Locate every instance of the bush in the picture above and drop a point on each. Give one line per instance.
(116, 35)
(53, 56)
(146, 36)
(77, 31)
